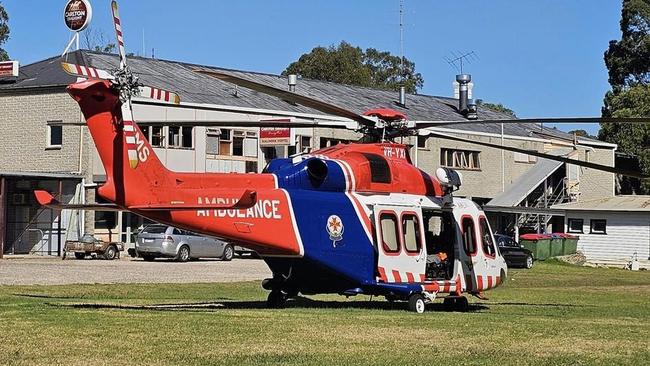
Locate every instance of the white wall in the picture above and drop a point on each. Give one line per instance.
(627, 233)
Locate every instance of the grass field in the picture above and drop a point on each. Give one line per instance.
(553, 314)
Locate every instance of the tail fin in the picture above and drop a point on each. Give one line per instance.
(133, 171)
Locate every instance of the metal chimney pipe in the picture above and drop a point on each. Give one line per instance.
(292, 81)
(402, 96)
(463, 92)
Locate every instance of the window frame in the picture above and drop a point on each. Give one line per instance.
(591, 226)
(418, 233)
(48, 138)
(570, 230)
(462, 230)
(481, 220)
(387, 251)
(460, 159)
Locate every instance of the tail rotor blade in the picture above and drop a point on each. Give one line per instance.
(118, 33)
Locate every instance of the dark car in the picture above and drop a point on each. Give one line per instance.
(514, 254)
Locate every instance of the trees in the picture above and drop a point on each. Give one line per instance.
(4, 32)
(96, 40)
(496, 107)
(629, 76)
(347, 64)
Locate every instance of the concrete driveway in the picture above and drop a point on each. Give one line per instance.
(33, 270)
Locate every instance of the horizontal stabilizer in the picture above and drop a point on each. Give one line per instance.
(44, 198)
(246, 200)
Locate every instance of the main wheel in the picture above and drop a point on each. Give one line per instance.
(110, 253)
(228, 253)
(462, 304)
(416, 303)
(79, 255)
(183, 254)
(276, 300)
(529, 262)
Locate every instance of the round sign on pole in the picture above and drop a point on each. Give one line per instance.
(77, 14)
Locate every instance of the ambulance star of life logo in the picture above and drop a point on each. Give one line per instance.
(335, 229)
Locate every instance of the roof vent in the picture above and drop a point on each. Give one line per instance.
(471, 109)
(292, 80)
(402, 96)
(463, 81)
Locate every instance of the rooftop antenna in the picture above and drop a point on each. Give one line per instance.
(144, 50)
(458, 59)
(402, 88)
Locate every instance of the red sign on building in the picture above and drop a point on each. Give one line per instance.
(8, 68)
(272, 136)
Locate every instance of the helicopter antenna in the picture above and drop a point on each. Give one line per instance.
(401, 39)
(458, 59)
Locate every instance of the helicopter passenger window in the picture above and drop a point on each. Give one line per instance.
(487, 239)
(469, 236)
(379, 169)
(389, 232)
(411, 233)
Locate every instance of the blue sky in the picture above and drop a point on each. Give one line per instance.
(540, 58)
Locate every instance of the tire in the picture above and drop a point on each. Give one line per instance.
(276, 300)
(110, 253)
(417, 304)
(183, 254)
(228, 253)
(148, 258)
(462, 304)
(79, 255)
(529, 262)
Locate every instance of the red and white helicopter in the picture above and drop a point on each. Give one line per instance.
(349, 219)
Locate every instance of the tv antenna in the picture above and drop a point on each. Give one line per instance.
(459, 59)
(401, 38)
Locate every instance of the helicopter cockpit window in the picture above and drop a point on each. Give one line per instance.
(469, 235)
(379, 169)
(487, 239)
(389, 231)
(411, 233)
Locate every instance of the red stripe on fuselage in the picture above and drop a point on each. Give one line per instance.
(396, 276)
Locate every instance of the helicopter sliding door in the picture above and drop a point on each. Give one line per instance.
(400, 248)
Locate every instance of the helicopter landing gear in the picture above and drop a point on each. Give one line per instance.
(277, 299)
(456, 303)
(416, 303)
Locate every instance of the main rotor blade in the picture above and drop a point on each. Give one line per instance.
(246, 123)
(425, 124)
(289, 96)
(586, 164)
(118, 33)
(86, 72)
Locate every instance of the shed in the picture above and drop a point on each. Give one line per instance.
(610, 229)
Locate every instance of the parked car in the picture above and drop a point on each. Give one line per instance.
(241, 251)
(514, 254)
(163, 241)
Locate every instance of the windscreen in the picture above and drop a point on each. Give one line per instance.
(155, 229)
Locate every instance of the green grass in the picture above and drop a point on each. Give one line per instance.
(554, 314)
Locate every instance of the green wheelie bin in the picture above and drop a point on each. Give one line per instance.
(569, 244)
(538, 244)
(557, 244)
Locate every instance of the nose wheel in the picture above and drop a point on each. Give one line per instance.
(417, 304)
(456, 303)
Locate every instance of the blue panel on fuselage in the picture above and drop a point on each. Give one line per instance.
(295, 176)
(353, 255)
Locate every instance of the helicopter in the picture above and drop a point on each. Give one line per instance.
(350, 219)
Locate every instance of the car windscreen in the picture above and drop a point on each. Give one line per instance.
(155, 229)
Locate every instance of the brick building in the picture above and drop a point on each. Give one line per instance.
(38, 153)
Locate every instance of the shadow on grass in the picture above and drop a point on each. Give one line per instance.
(297, 303)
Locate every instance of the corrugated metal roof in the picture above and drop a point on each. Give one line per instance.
(616, 203)
(516, 192)
(198, 88)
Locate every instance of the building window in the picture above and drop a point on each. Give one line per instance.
(575, 226)
(422, 142)
(225, 142)
(180, 137)
(54, 136)
(327, 142)
(525, 158)
(460, 159)
(598, 227)
(157, 136)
